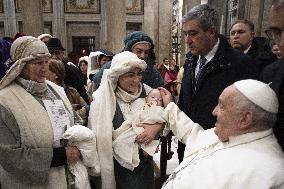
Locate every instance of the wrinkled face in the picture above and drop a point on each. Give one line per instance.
(227, 115)
(130, 81)
(277, 24)
(199, 42)
(141, 50)
(36, 70)
(57, 54)
(83, 67)
(154, 98)
(104, 60)
(241, 36)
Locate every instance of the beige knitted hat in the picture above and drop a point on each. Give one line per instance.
(23, 50)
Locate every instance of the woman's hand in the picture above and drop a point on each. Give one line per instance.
(150, 132)
(166, 96)
(72, 154)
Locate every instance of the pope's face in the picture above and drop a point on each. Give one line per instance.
(130, 81)
(227, 114)
(36, 70)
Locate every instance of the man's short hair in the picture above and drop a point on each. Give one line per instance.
(261, 119)
(164, 59)
(246, 22)
(205, 15)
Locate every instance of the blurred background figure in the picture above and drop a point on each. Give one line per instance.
(83, 65)
(4, 56)
(56, 74)
(276, 51)
(72, 77)
(44, 37)
(96, 61)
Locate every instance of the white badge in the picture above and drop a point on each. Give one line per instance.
(59, 118)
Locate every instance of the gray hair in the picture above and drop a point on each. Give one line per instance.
(204, 14)
(261, 119)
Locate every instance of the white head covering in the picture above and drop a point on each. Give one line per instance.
(103, 109)
(40, 37)
(23, 50)
(259, 93)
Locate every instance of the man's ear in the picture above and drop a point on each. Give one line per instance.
(212, 31)
(246, 120)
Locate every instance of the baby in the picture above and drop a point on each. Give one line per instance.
(125, 147)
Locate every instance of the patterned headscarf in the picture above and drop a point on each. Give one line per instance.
(23, 50)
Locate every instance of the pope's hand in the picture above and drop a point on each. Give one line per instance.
(166, 96)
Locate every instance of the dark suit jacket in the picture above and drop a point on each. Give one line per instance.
(198, 100)
(275, 73)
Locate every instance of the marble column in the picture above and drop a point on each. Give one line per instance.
(32, 17)
(10, 23)
(59, 24)
(165, 29)
(113, 25)
(150, 25)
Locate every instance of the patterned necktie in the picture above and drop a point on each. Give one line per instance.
(202, 62)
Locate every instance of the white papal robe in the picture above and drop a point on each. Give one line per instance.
(250, 161)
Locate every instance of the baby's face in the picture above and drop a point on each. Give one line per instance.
(154, 97)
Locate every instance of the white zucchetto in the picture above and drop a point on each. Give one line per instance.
(259, 93)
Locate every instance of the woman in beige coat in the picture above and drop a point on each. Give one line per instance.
(33, 116)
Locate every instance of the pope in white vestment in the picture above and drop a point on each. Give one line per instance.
(252, 160)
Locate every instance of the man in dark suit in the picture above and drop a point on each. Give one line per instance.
(212, 65)
(274, 73)
(242, 38)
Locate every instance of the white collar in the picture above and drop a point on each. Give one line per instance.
(213, 51)
(248, 137)
(246, 51)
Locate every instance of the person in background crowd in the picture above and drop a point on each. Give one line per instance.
(258, 48)
(241, 150)
(19, 34)
(56, 74)
(170, 79)
(96, 61)
(212, 66)
(142, 45)
(274, 73)
(276, 51)
(120, 95)
(164, 67)
(4, 56)
(83, 65)
(33, 116)
(45, 37)
(72, 77)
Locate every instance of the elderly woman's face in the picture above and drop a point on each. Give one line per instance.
(130, 81)
(36, 70)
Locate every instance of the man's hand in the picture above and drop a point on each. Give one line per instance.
(166, 96)
(150, 132)
(72, 154)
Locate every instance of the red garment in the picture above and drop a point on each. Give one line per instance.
(170, 81)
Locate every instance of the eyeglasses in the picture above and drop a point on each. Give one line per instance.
(274, 34)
